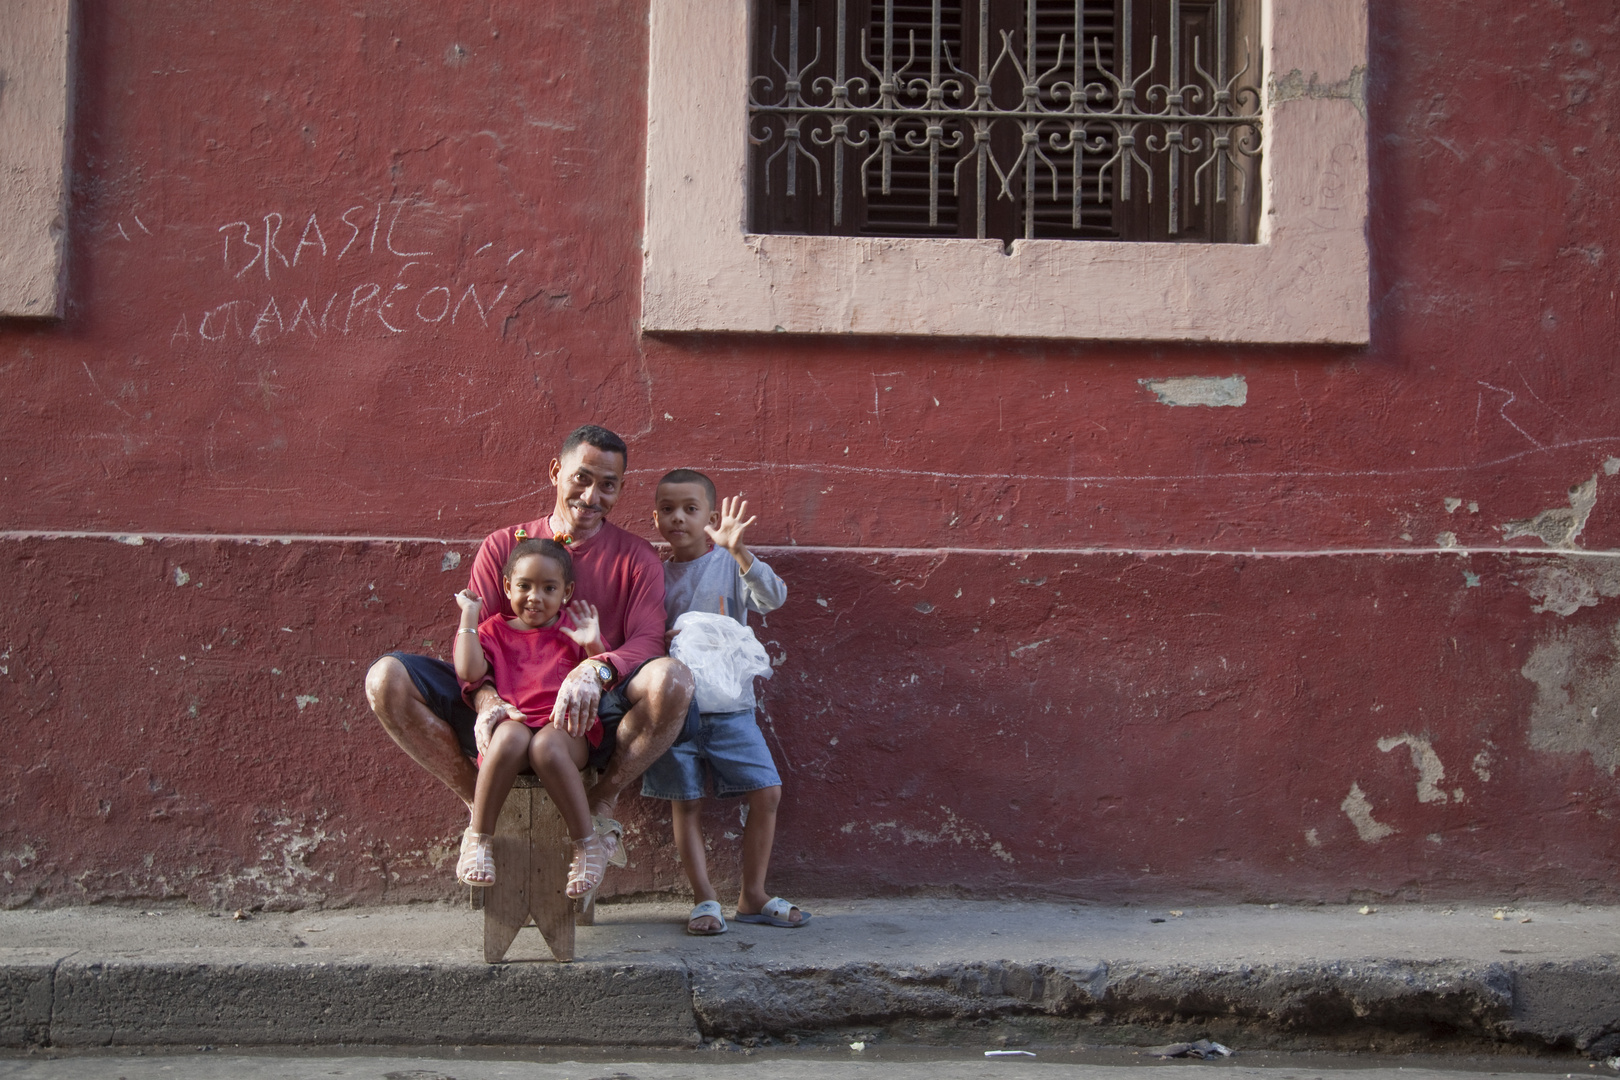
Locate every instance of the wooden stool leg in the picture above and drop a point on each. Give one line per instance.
(550, 852)
(506, 903)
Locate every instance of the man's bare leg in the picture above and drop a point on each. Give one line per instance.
(429, 741)
(659, 696)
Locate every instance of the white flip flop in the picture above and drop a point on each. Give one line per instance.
(710, 908)
(775, 913)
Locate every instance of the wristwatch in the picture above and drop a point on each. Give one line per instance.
(604, 673)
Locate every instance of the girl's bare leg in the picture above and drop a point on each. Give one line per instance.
(687, 818)
(556, 758)
(507, 754)
(758, 836)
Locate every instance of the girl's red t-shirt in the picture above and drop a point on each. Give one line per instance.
(529, 667)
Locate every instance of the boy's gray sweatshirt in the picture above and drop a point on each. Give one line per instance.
(701, 584)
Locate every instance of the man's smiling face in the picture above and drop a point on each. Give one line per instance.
(588, 481)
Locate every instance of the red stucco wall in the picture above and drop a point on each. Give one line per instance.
(339, 280)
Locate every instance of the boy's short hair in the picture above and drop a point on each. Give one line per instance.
(540, 546)
(692, 476)
(597, 436)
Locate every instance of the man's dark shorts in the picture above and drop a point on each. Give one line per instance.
(436, 681)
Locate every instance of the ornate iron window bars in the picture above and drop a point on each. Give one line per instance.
(1085, 112)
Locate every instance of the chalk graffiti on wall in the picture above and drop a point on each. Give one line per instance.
(399, 269)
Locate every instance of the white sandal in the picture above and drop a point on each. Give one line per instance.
(476, 867)
(586, 869)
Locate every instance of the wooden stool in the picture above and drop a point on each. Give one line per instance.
(532, 852)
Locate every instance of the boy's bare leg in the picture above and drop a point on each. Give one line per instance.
(508, 753)
(659, 695)
(556, 758)
(429, 741)
(758, 836)
(687, 816)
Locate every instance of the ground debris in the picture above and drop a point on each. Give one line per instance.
(1203, 1048)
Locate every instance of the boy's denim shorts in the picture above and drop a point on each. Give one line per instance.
(730, 745)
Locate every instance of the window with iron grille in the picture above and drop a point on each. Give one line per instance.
(1049, 119)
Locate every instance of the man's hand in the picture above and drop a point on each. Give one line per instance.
(587, 628)
(729, 533)
(491, 711)
(577, 699)
(669, 636)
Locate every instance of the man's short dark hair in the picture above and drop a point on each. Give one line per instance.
(539, 545)
(597, 436)
(692, 476)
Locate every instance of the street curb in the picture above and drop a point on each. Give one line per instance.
(1574, 1006)
(85, 1002)
(120, 1003)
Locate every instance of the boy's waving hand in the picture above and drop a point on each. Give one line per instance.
(729, 533)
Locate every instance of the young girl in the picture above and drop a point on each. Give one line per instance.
(528, 656)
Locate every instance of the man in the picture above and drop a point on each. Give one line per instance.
(641, 695)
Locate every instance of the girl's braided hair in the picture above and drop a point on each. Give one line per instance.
(548, 548)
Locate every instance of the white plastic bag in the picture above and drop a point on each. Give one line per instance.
(723, 655)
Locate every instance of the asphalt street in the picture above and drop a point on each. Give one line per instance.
(819, 1064)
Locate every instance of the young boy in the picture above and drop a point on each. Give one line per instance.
(728, 580)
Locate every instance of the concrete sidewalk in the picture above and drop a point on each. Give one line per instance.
(1402, 977)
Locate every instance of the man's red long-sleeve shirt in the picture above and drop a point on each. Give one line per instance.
(616, 572)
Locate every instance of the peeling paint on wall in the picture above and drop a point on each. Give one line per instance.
(1566, 586)
(1559, 526)
(1296, 86)
(951, 830)
(1577, 709)
(1425, 761)
(283, 873)
(1232, 390)
(1359, 811)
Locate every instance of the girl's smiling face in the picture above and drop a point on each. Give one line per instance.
(536, 590)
